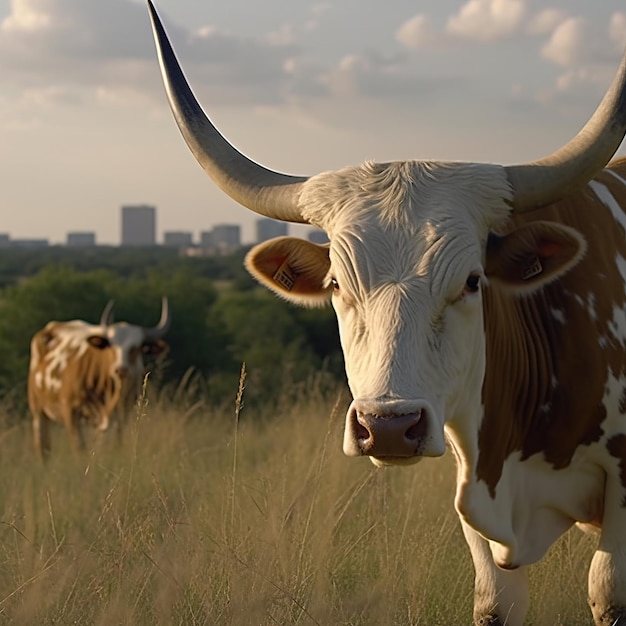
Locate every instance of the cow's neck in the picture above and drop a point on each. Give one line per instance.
(520, 380)
(530, 399)
(523, 409)
(519, 389)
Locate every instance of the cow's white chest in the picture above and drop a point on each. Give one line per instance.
(534, 505)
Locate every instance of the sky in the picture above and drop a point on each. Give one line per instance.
(299, 86)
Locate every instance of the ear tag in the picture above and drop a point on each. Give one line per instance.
(532, 268)
(285, 276)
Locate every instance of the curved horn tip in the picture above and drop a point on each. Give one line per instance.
(548, 179)
(166, 319)
(107, 313)
(165, 313)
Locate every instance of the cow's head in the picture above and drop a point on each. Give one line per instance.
(405, 276)
(131, 342)
(412, 246)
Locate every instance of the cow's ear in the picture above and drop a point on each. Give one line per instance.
(98, 341)
(293, 268)
(533, 255)
(154, 348)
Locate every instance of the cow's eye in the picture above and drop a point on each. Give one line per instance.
(148, 348)
(98, 342)
(335, 284)
(472, 283)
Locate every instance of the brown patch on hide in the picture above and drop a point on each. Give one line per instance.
(550, 352)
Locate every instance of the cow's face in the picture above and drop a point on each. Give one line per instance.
(129, 344)
(405, 271)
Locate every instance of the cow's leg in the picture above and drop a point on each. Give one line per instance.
(74, 425)
(500, 596)
(41, 433)
(118, 425)
(607, 574)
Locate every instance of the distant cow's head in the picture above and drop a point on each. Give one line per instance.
(412, 245)
(130, 342)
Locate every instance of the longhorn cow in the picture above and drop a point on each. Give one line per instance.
(84, 373)
(479, 304)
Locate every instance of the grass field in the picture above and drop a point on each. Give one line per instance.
(200, 518)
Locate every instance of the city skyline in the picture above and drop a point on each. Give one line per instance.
(251, 233)
(142, 230)
(300, 87)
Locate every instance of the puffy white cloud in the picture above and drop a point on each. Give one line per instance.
(417, 32)
(481, 21)
(565, 46)
(487, 20)
(26, 18)
(587, 52)
(577, 42)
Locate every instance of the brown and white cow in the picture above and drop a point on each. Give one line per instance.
(82, 373)
(478, 304)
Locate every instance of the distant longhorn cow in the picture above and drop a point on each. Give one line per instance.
(84, 373)
(482, 301)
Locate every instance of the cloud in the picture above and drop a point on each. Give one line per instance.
(107, 46)
(66, 28)
(567, 43)
(576, 42)
(585, 51)
(487, 20)
(103, 52)
(478, 21)
(417, 32)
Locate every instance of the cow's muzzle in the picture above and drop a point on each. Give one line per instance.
(392, 431)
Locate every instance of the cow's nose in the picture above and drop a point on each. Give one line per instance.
(393, 428)
(390, 435)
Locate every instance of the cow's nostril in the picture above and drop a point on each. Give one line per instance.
(361, 432)
(413, 433)
(418, 430)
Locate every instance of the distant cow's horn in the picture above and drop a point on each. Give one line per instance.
(106, 319)
(538, 183)
(259, 189)
(164, 323)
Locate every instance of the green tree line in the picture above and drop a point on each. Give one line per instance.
(220, 318)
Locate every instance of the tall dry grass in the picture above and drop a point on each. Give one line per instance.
(243, 517)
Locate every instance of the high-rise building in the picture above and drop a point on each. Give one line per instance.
(177, 239)
(222, 239)
(226, 237)
(81, 239)
(139, 225)
(268, 228)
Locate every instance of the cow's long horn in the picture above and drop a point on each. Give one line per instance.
(164, 323)
(259, 189)
(538, 183)
(106, 319)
